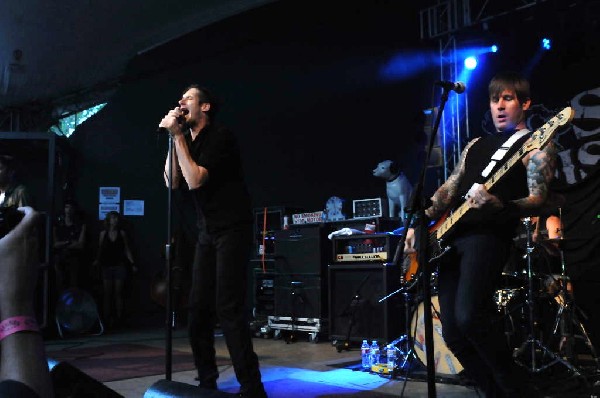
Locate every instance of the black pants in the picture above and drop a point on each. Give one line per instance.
(218, 291)
(468, 278)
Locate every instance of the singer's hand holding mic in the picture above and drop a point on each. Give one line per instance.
(173, 122)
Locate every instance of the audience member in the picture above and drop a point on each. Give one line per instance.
(23, 366)
(11, 193)
(69, 244)
(114, 256)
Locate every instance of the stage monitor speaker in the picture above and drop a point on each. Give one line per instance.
(358, 287)
(302, 249)
(70, 382)
(169, 389)
(300, 296)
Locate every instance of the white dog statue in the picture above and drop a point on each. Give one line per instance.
(398, 187)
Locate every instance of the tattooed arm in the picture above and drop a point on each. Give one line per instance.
(541, 165)
(447, 193)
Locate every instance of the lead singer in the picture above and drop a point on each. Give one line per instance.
(207, 156)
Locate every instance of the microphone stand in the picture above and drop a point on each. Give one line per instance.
(169, 299)
(417, 206)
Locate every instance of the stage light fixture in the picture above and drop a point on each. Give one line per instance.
(546, 43)
(470, 63)
(494, 48)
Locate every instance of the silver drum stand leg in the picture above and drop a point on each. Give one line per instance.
(532, 346)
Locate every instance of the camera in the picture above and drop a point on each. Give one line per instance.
(9, 218)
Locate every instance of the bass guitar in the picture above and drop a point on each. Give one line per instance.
(539, 139)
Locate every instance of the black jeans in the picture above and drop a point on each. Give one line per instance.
(218, 291)
(468, 278)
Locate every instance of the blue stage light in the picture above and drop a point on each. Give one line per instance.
(546, 43)
(470, 63)
(494, 48)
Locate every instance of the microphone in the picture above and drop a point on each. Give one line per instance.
(180, 120)
(458, 87)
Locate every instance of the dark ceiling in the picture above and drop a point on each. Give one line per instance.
(73, 51)
(52, 49)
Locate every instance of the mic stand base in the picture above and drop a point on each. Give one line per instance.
(343, 346)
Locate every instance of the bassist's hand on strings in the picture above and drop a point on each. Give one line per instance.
(479, 198)
(409, 243)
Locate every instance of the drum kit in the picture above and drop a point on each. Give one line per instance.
(535, 306)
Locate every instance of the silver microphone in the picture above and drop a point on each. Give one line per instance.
(458, 87)
(180, 120)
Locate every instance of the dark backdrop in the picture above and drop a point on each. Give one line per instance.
(302, 88)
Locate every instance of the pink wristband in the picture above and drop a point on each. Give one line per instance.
(18, 324)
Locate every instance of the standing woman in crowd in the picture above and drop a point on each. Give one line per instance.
(69, 246)
(113, 257)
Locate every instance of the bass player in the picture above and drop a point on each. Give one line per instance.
(470, 271)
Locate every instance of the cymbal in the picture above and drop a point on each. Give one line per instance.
(560, 241)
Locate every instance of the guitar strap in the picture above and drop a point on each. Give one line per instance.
(498, 156)
(502, 151)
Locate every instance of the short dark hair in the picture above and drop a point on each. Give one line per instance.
(112, 213)
(70, 202)
(207, 96)
(510, 81)
(10, 163)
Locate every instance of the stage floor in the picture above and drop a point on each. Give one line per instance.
(129, 361)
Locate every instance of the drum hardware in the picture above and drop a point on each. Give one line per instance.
(531, 346)
(566, 323)
(410, 276)
(403, 344)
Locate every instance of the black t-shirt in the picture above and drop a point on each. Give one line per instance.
(223, 201)
(512, 185)
(68, 233)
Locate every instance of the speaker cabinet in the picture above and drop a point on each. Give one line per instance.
(302, 249)
(357, 288)
(300, 296)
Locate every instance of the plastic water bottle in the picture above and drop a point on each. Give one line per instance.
(374, 353)
(391, 357)
(365, 354)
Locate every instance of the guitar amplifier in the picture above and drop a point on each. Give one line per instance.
(354, 307)
(364, 248)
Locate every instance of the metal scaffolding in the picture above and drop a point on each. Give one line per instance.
(450, 16)
(443, 21)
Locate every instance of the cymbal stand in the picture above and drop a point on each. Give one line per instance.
(566, 318)
(405, 342)
(532, 343)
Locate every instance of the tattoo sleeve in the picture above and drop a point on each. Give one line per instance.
(540, 172)
(447, 193)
